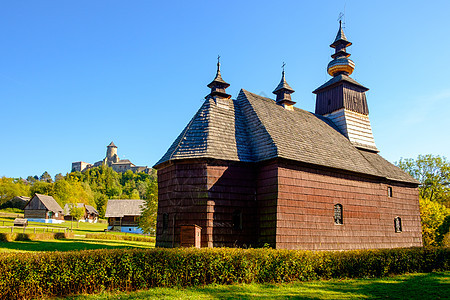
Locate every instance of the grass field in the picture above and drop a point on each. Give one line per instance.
(409, 286)
(78, 243)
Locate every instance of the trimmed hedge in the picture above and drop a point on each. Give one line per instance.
(117, 237)
(47, 274)
(41, 236)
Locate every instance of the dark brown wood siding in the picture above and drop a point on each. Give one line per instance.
(305, 211)
(183, 197)
(267, 196)
(232, 192)
(35, 214)
(340, 96)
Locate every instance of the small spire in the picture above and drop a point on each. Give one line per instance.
(218, 85)
(340, 64)
(284, 91)
(340, 35)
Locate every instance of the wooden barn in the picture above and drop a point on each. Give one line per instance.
(43, 208)
(123, 215)
(16, 202)
(90, 213)
(253, 171)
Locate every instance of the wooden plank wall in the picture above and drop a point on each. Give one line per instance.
(183, 196)
(306, 200)
(231, 189)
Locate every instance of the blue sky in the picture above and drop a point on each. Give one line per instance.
(76, 75)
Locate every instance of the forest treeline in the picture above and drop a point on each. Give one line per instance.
(93, 186)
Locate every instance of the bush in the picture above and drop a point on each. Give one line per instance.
(42, 236)
(110, 236)
(61, 273)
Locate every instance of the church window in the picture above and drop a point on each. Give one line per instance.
(398, 224)
(338, 219)
(165, 221)
(389, 191)
(237, 220)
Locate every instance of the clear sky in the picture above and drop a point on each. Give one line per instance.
(76, 75)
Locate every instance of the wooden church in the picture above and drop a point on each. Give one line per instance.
(254, 171)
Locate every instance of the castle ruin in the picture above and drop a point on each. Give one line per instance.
(111, 160)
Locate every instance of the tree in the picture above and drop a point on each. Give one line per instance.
(42, 187)
(76, 212)
(46, 177)
(31, 179)
(9, 188)
(147, 220)
(58, 177)
(433, 173)
(435, 218)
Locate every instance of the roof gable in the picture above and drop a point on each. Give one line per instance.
(44, 202)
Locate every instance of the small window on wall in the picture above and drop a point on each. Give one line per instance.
(165, 221)
(237, 220)
(389, 191)
(398, 224)
(338, 219)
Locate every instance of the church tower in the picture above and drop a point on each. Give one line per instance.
(343, 100)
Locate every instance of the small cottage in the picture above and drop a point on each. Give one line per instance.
(90, 213)
(43, 208)
(123, 215)
(16, 202)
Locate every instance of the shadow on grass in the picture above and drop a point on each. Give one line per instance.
(411, 286)
(68, 245)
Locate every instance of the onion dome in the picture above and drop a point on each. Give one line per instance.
(284, 91)
(218, 85)
(341, 64)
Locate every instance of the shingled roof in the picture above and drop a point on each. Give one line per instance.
(49, 202)
(124, 207)
(254, 129)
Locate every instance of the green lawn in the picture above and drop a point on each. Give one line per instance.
(80, 228)
(77, 243)
(410, 286)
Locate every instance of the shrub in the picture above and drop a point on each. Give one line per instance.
(110, 236)
(61, 273)
(41, 236)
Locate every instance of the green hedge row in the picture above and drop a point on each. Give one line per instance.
(119, 237)
(41, 236)
(62, 273)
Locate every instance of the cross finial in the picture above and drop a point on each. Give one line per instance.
(218, 63)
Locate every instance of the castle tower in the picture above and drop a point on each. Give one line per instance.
(283, 92)
(343, 100)
(111, 153)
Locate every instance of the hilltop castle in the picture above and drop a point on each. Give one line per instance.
(111, 160)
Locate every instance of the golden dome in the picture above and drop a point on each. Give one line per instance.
(341, 65)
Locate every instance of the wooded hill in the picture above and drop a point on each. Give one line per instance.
(93, 186)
